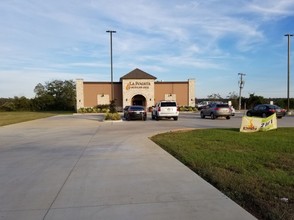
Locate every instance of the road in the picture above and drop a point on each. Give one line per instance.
(76, 167)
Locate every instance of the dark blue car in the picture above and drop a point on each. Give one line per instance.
(135, 112)
(265, 110)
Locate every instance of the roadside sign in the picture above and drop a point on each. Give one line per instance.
(254, 124)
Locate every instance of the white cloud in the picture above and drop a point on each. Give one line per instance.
(67, 38)
(271, 9)
(22, 82)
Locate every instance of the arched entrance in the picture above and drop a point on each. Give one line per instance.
(139, 100)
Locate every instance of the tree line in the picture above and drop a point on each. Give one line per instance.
(56, 95)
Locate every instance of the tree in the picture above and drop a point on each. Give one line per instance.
(22, 103)
(214, 97)
(112, 107)
(39, 90)
(254, 100)
(55, 95)
(233, 97)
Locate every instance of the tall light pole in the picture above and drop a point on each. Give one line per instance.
(288, 76)
(111, 64)
(241, 85)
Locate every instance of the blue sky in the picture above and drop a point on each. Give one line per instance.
(174, 40)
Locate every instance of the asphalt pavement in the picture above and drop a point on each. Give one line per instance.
(77, 167)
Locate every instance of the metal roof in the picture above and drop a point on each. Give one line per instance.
(138, 74)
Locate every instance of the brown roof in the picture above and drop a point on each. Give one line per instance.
(137, 74)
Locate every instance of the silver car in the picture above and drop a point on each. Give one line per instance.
(215, 110)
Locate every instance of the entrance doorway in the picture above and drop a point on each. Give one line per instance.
(139, 100)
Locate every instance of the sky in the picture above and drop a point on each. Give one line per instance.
(210, 41)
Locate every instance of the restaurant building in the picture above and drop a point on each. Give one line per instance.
(135, 88)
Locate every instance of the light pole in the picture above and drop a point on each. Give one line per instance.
(241, 85)
(288, 82)
(111, 65)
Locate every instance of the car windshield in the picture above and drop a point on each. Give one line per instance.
(165, 104)
(136, 108)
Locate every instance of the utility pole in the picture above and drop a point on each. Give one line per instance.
(111, 65)
(288, 75)
(241, 85)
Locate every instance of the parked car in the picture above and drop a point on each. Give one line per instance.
(125, 110)
(135, 112)
(265, 110)
(165, 109)
(215, 110)
(200, 105)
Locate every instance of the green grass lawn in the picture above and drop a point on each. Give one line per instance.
(254, 169)
(7, 118)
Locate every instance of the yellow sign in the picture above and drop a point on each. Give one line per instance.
(253, 124)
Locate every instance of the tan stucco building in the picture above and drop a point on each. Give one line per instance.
(135, 88)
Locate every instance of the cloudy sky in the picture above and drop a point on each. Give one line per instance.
(174, 40)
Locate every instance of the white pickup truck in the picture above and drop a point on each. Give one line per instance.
(165, 109)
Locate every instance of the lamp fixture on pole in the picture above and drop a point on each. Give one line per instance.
(288, 75)
(111, 64)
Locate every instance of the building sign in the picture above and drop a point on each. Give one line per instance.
(137, 85)
(253, 124)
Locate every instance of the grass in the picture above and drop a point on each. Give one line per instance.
(7, 118)
(256, 170)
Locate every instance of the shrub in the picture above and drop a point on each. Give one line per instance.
(101, 106)
(112, 116)
(8, 106)
(112, 107)
(187, 108)
(105, 110)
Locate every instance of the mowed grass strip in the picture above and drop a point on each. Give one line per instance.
(7, 118)
(254, 169)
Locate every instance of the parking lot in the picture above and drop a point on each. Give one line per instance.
(193, 120)
(78, 167)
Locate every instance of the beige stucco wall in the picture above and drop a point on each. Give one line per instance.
(133, 87)
(80, 93)
(191, 92)
(103, 99)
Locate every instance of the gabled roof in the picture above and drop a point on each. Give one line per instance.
(137, 74)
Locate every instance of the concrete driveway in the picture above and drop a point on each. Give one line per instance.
(78, 168)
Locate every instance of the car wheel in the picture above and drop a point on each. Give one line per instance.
(175, 118)
(263, 115)
(202, 115)
(212, 116)
(248, 114)
(228, 117)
